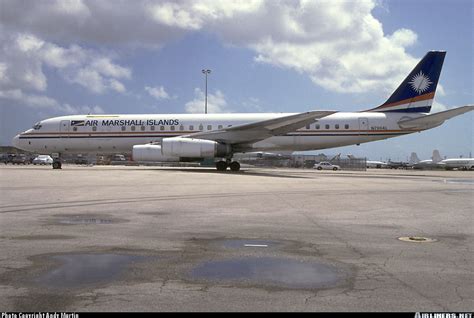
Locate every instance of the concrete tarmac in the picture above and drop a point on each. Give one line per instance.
(108, 238)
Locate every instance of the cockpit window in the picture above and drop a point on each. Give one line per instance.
(37, 126)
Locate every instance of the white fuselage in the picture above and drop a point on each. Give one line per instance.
(119, 133)
(466, 163)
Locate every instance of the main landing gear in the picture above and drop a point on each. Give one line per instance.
(222, 165)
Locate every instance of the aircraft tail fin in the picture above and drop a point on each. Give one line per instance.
(414, 158)
(436, 156)
(416, 92)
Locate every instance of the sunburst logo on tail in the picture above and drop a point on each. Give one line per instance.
(420, 82)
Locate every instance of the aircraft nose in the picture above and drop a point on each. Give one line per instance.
(16, 141)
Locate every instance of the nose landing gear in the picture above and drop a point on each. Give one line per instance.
(57, 164)
(56, 161)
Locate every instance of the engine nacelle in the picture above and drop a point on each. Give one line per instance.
(193, 148)
(150, 153)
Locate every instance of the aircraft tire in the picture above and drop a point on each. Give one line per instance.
(234, 166)
(221, 166)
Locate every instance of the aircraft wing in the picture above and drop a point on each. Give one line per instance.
(435, 119)
(253, 132)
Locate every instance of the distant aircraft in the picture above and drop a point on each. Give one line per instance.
(192, 137)
(266, 155)
(398, 165)
(376, 164)
(414, 158)
(433, 163)
(437, 162)
(458, 163)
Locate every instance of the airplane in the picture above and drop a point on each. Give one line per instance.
(458, 163)
(398, 164)
(437, 162)
(434, 163)
(194, 137)
(376, 164)
(414, 158)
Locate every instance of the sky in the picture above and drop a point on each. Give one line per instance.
(126, 57)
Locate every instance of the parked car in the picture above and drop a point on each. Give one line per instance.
(119, 157)
(43, 160)
(326, 166)
(8, 158)
(20, 159)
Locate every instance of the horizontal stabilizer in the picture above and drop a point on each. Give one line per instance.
(434, 120)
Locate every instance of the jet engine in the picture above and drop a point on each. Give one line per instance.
(150, 152)
(193, 148)
(180, 149)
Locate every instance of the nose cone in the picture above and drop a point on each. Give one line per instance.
(16, 141)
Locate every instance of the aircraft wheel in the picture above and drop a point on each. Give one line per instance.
(234, 166)
(221, 166)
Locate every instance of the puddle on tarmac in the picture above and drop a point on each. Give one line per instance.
(248, 244)
(81, 270)
(78, 220)
(269, 271)
(459, 181)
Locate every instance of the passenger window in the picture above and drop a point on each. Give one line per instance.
(219, 127)
(229, 125)
(123, 128)
(327, 126)
(209, 127)
(337, 126)
(317, 126)
(181, 127)
(346, 126)
(132, 128)
(162, 127)
(201, 127)
(74, 128)
(94, 128)
(172, 127)
(191, 127)
(308, 126)
(152, 128)
(143, 128)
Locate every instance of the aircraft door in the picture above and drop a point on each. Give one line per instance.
(363, 126)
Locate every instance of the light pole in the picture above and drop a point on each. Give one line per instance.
(205, 72)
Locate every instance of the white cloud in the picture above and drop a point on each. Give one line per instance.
(437, 107)
(107, 68)
(157, 92)
(117, 86)
(340, 45)
(216, 103)
(89, 78)
(25, 55)
(18, 97)
(31, 100)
